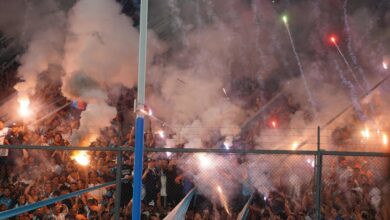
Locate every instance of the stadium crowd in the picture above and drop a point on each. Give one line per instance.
(352, 187)
(28, 176)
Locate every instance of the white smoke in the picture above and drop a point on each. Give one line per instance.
(45, 37)
(100, 51)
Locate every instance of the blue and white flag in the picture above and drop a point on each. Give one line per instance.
(179, 212)
(244, 212)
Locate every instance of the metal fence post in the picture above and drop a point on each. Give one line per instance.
(118, 183)
(318, 173)
(139, 124)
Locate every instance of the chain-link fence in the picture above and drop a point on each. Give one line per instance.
(354, 186)
(229, 184)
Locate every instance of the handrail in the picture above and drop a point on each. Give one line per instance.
(22, 209)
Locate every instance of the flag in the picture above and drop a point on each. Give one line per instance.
(179, 212)
(244, 212)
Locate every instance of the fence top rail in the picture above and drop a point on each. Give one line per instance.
(354, 154)
(202, 150)
(173, 150)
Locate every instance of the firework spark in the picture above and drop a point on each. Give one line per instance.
(274, 124)
(310, 97)
(223, 199)
(224, 91)
(333, 39)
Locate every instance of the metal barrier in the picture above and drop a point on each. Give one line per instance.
(291, 164)
(17, 211)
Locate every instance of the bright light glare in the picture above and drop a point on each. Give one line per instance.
(365, 133)
(295, 145)
(333, 39)
(204, 161)
(148, 112)
(385, 65)
(161, 134)
(385, 139)
(219, 189)
(311, 162)
(227, 145)
(273, 124)
(82, 158)
(284, 19)
(24, 109)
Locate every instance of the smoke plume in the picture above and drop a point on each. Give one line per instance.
(100, 51)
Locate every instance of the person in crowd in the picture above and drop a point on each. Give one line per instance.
(3, 152)
(151, 180)
(6, 198)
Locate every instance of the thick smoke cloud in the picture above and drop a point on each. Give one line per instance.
(100, 51)
(215, 44)
(43, 29)
(222, 44)
(241, 47)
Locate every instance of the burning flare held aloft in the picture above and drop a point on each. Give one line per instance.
(81, 157)
(24, 107)
(205, 161)
(370, 136)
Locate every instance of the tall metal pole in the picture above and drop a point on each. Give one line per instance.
(139, 123)
(118, 183)
(318, 173)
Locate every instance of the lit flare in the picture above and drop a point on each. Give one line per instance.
(223, 200)
(204, 161)
(24, 110)
(295, 145)
(385, 139)
(385, 65)
(82, 158)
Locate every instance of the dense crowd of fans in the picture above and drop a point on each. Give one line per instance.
(352, 187)
(28, 176)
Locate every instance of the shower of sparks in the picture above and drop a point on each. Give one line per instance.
(224, 91)
(308, 92)
(223, 200)
(333, 39)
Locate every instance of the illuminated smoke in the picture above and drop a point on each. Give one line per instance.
(95, 59)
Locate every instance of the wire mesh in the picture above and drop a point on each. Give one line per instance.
(225, 182)
(280, 184)
(353, 187)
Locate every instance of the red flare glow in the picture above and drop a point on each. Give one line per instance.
(273, 123)
(333, 39)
